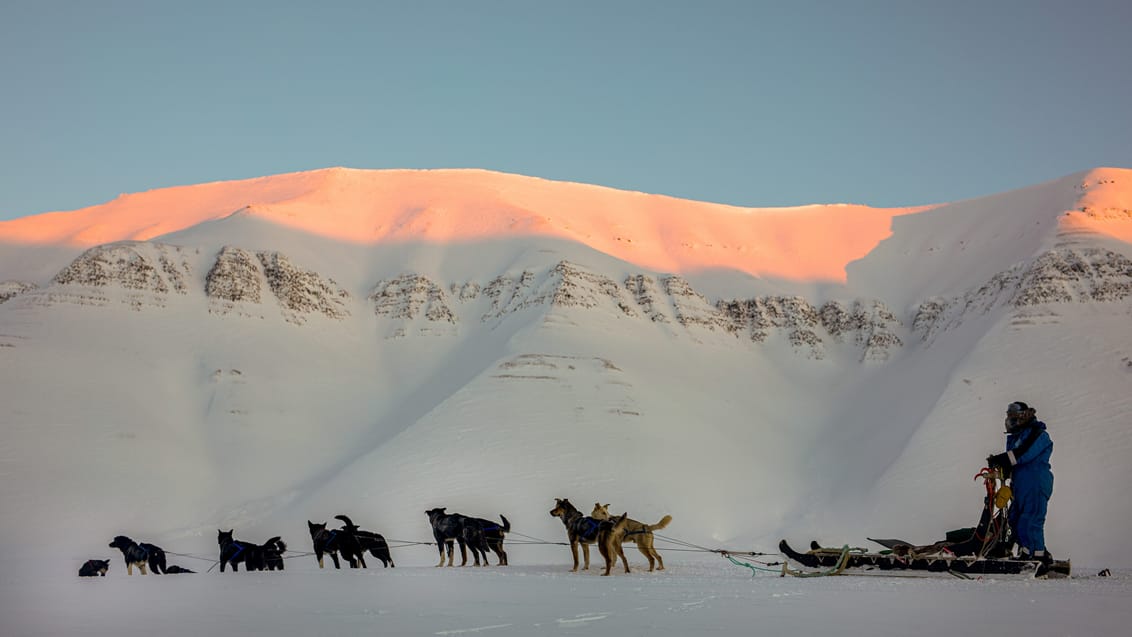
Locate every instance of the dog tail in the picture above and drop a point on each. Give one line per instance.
(156, 559)
(277, 541)
(347, 522)
(506, 525)
(659, 525)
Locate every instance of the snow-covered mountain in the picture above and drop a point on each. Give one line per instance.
(258, 353)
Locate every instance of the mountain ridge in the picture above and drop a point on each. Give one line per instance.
(325, 376)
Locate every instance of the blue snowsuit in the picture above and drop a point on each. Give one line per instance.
(1029, 448)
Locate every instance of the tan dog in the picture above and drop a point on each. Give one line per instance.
(638, 533)
(610, 537)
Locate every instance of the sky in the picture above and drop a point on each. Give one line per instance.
(747, 103)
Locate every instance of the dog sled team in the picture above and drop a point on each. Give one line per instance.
(1013, 516)
(350, 542)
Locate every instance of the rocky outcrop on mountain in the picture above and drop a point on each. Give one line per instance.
(241, 282)
(565, 285)
(410, 296)
(152, 267)
(671, 299)
(648, 295)
(508, 293)
(691, 308)
(1062, 275)
(10, 289)
(757, 316)
(1068, 275)
(145, 273)
(574, 286)
(869, 325)
(234, 278)
(238, 278)
(302, 292)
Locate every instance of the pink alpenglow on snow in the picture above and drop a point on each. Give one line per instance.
(384, 206)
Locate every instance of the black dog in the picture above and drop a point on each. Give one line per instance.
(139, 554)
(476, 533)
(332, 542)
(94, 568)
(493, 534)
(446, 529)
(233, 552)
(368, 541)
(273, 550)
(173, 569)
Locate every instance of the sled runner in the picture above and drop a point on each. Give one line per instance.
(848, 560)
(985, 549)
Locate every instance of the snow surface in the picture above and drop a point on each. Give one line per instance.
(165, 422)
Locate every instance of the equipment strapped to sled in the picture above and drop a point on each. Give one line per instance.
(980, 550)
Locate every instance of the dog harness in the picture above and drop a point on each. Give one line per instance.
(239, 549)
(590, 530)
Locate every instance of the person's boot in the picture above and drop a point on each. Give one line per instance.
(1045, 561)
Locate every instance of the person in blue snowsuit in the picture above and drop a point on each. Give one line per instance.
(1026, 460)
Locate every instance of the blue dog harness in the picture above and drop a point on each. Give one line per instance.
(590, 532)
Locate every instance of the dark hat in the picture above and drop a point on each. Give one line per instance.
(1017, 408)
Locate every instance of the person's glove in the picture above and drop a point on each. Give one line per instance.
(1000, 460)
(1002, 497)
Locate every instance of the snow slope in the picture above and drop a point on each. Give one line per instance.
(256, 354)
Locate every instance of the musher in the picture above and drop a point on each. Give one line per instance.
(1026, 462)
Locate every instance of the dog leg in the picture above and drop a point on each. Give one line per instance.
(141, 567)
(500, 553)
(624, 561)
(648, 555)
(574, 552)
(129, 568)
(586, 554)
(318, 555)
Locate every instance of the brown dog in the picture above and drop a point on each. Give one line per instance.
(610, 537)
(639, 533)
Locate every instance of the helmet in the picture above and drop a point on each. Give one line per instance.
(1018, 413)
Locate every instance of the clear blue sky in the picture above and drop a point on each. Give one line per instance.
(748, 102)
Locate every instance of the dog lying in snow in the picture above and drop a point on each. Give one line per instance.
(94, 568)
